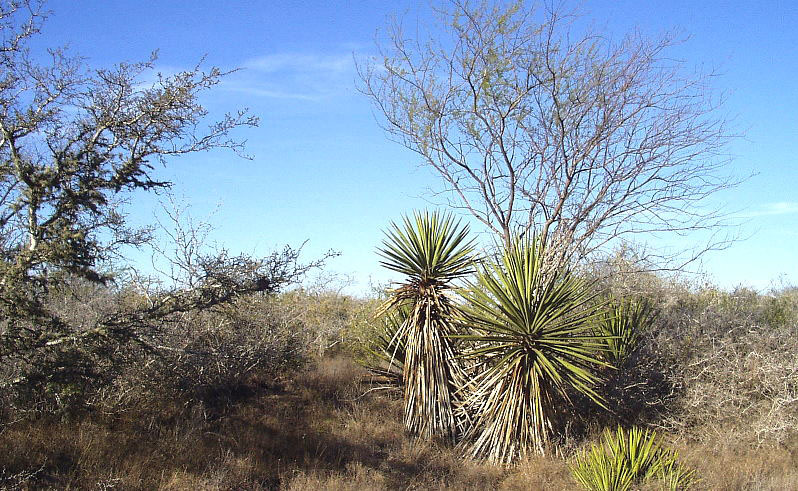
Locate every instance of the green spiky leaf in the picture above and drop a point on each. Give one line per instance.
(623, 323)
(625, 458)
(532, 337)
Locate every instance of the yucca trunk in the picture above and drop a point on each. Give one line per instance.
(511, 423)
(432, 251)
(431, 372)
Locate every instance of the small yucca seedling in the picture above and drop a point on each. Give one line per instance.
(676, 476)
(624, 458)
(431, 251)
(622, 324)
(386, 348)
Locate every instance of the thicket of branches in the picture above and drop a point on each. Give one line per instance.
(75, 144)
(716, 365)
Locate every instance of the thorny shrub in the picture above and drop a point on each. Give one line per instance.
(213, 354)
(735, 363)
(202, 356)
(719, 365)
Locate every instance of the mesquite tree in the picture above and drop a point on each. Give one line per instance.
(537, 127)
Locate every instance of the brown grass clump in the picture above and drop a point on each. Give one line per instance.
(771, 468)
(539, 473)
(252, 443)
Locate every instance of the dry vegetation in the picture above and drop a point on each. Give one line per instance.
(310, 421)
(223, 373)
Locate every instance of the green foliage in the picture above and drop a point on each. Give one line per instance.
(624, 458)
(385, 347)
(432, 251)
(622, 324)
(780, 309)
(533, 343)
(74, 144)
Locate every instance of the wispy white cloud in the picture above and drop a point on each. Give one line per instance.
(272, 94)
(290, 62)
(770, 209)
(295, 76)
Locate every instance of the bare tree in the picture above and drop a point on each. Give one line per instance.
(536, 127)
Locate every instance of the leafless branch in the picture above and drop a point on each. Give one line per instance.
(537, 128)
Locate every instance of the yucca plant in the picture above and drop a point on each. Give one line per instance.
(432, 251)
(533, 343)
(623, 323)
(624, 458)
(675, 476)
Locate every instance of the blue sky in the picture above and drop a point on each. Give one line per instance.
(323, 170)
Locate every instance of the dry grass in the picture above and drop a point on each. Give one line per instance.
(737, 467)
(317, 431)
